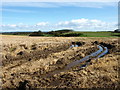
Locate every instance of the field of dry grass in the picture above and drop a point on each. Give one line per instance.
(35, 62)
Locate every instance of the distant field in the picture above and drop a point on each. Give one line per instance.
(68, 34)
(100, 34)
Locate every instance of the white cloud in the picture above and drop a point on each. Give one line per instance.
(76, 24)
(60, 4)
(16, 10)
(13, 25)
(29, 4)
(42, 24)
(79, 20)
(60, 0)
(86, 24)
(89, 4)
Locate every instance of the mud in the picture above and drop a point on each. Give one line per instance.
(41, 65)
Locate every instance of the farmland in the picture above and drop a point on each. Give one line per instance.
(65, 33)
(38, 62)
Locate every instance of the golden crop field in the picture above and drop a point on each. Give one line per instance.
(39, 62)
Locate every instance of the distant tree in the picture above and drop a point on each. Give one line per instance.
(117, 31)
(39, 33)
(64, 30)
(59, 32)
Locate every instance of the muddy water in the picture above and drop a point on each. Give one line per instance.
(94, 55)
(85, 58)
(103, 53)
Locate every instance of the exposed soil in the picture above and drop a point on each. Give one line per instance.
(39, 62)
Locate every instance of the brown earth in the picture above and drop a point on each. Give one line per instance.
(39, 62)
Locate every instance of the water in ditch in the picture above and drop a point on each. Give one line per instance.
(101, 52)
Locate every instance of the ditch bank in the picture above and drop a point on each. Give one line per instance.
(99, 53)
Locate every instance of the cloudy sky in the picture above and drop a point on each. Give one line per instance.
(47, 16)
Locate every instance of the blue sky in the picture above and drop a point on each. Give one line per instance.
(46, 16)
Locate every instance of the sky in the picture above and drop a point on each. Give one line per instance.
(47, 16)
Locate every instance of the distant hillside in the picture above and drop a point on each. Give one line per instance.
(67, 33)
(51, 33)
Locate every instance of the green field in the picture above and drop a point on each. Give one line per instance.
(66, 34)
(100, 34)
